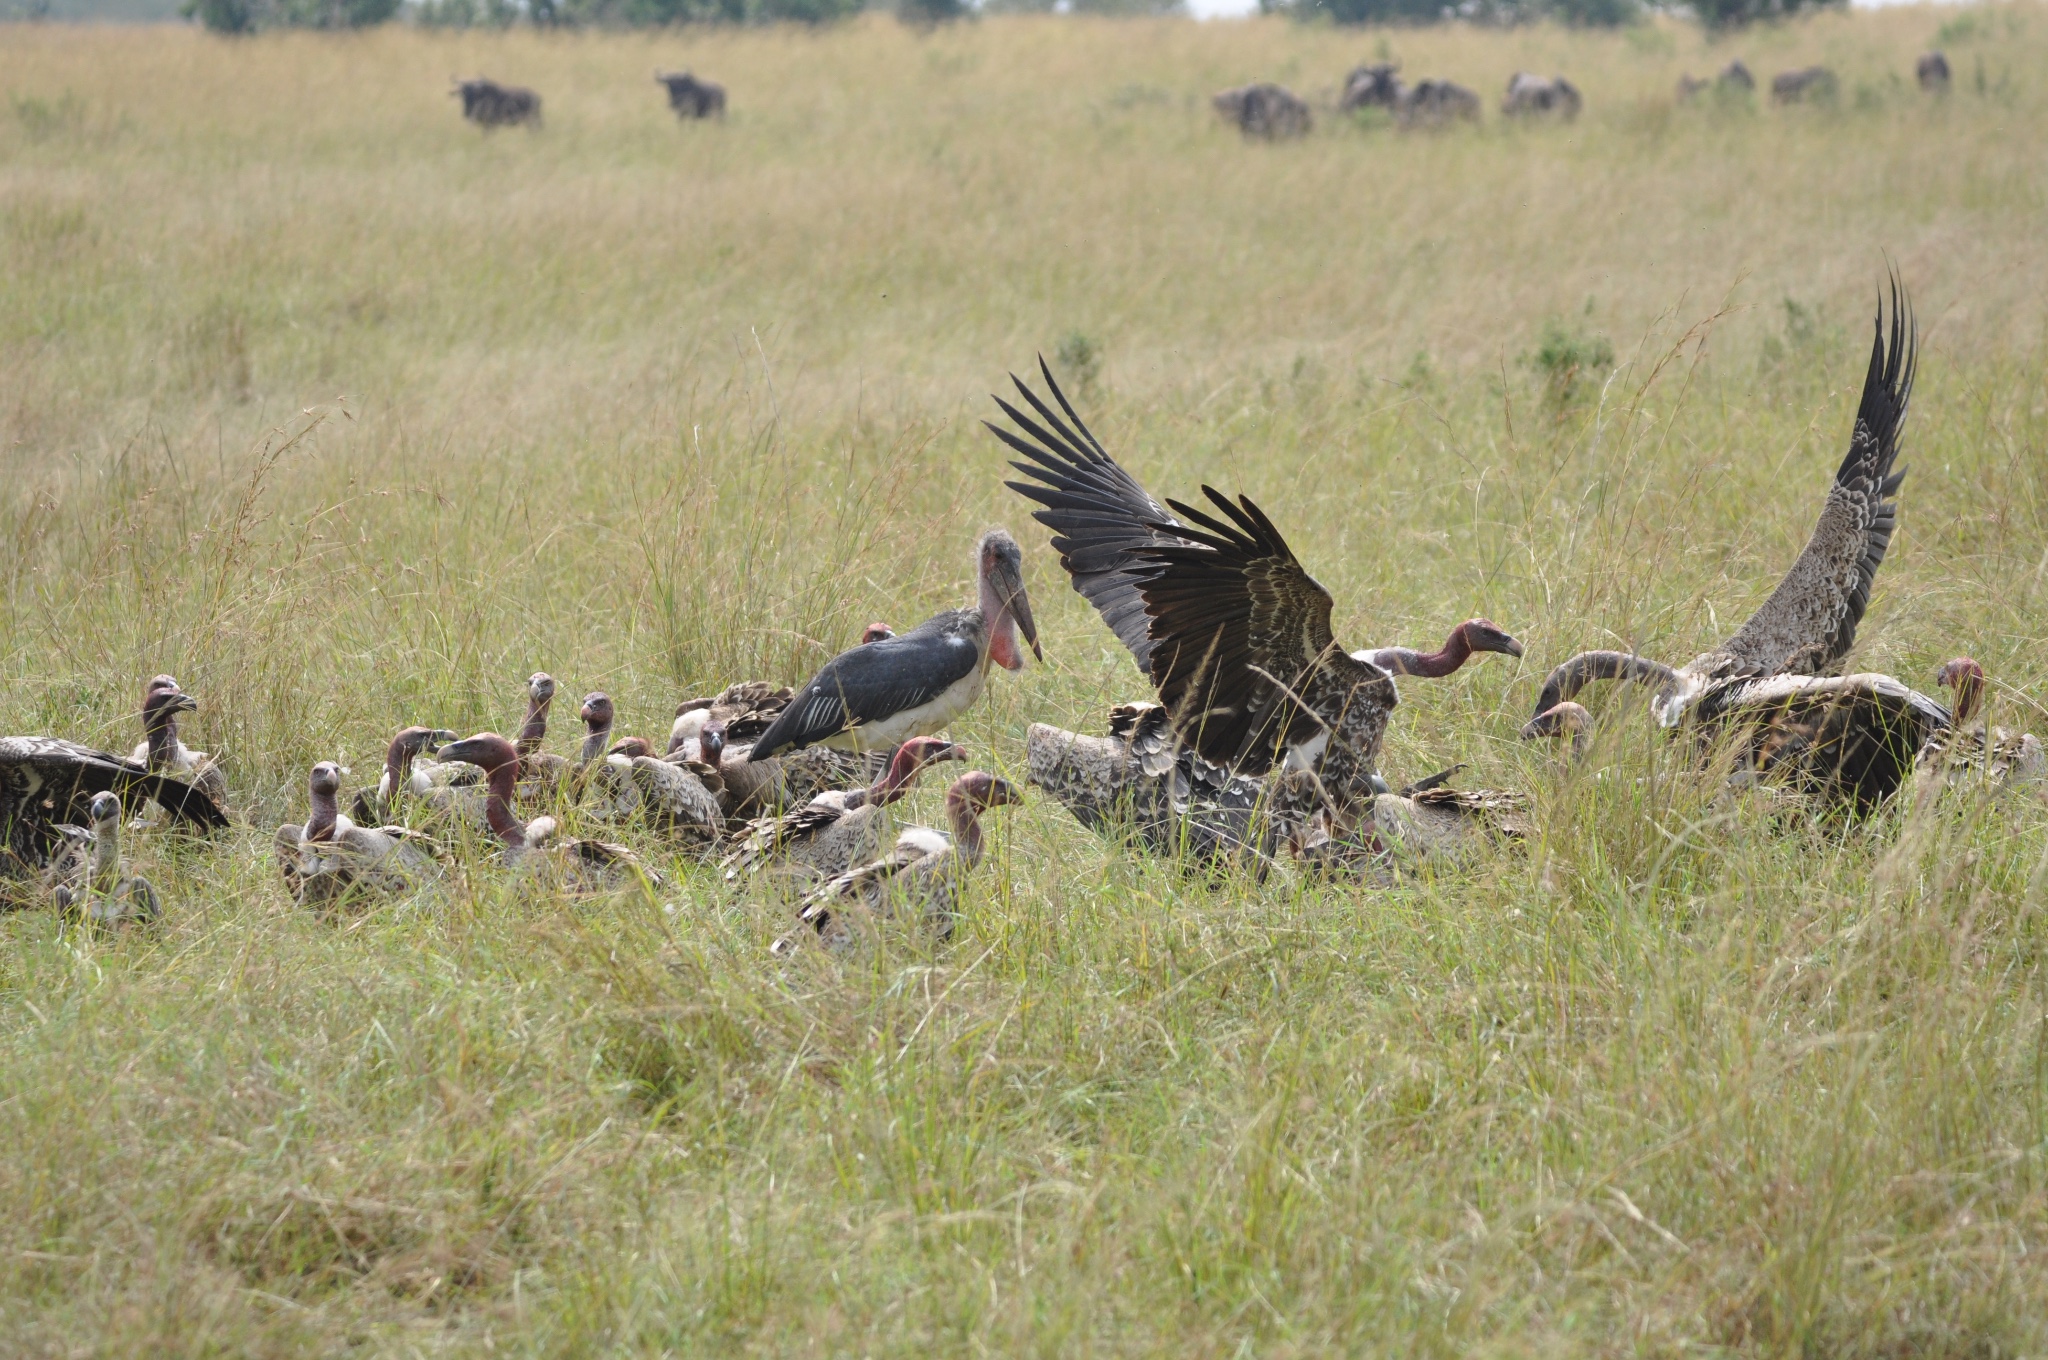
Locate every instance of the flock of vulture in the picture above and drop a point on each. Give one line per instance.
(1260, 744)
(1273, 112)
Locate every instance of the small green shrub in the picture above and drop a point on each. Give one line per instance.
(44, 119)
(1080, 358)
(1569, 361)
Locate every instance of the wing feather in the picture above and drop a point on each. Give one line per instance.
(1810, 620)
(65, 772)
(1241, 633)
(1099, 515)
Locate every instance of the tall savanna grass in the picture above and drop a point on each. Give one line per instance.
(350, 415)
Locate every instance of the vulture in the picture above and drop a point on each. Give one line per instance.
(85, 875)
(329, 856)
(161, 750)
(921, 877)
(1141, 778)
(1971, 752)
(839, 827)
(1108, 533)
(1232, 630)
(1807, 625)
(1842, 738)
(538, 844)
(406, 776)
(543, 776)
(46, 782)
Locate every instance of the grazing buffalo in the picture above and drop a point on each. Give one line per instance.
(1531, 95)
(691, 97)
(1796, 87)
(1371, 87)
(1932, 73)
(1263, 110)
(1435, 103)
(489, 104)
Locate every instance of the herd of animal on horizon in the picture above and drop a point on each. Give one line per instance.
(1272, 112)
(1261, 745)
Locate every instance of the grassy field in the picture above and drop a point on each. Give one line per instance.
(351, 416)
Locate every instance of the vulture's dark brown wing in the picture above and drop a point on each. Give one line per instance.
(1845, 736)
(1236, 624)
(1099, 515)
(1810, 620)
(46, 780)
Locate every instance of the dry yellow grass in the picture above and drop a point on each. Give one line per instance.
(350, 415)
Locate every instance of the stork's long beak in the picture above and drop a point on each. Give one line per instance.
(1008, 584)
(1020, 610)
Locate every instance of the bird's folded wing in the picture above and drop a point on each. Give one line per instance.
(874, 680)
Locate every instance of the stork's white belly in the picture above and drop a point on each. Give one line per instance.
(923, 721)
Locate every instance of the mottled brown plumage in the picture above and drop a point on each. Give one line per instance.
(1809, 622)
(919, 880)
(1141, 781)
(1245, 660)
(838, 828)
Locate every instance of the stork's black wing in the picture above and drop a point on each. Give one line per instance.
(1099, 515)
(874, 681)
(1236, 625)
(1810, 620)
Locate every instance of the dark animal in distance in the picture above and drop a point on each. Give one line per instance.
(1932, 72)
(1532, 95)
(1263, 110)
(1371, 87)
(1436, 103)
(489, 104)
(1427, 103)
(691, 97)
(1796, 87)
(1733, 80)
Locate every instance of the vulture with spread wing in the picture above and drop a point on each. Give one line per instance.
(1103, 522)
(1807, 625)
(1231, 631)
(46, 782)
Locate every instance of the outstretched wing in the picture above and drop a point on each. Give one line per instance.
(872, 681)
(1241, 635)
(1099, 516)
(64, 774)
(1810, 620)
